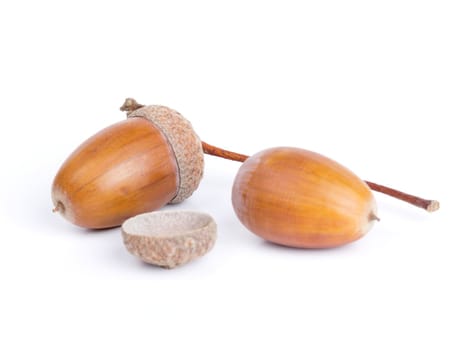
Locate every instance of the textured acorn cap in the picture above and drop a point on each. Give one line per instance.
(169, 238)
(184, 141)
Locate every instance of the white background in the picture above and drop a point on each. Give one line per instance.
(384, 87)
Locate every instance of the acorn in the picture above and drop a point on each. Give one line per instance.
(152, 158)
(298, 198)
(302, 199)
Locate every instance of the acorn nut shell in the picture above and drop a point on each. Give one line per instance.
(124, 170)
(301, 199)
(169, 238)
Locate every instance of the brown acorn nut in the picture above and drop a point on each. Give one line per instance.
(302, 199)
(134, 166)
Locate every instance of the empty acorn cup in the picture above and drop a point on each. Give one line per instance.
(169, 238)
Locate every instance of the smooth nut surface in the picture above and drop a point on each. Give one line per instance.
(169, 238)
(299, 198)
(125, 169)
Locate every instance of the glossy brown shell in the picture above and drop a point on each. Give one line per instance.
(299, 198)
(126, 169)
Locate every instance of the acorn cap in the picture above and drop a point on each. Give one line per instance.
(182, 138)
(169, 238)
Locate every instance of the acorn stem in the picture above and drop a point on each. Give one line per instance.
(426, 204)
(130, 105)
(222, 153)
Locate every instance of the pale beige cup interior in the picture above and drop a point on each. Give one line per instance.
(166, 224)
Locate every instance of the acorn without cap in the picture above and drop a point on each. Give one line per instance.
(299, 198)
(137, 165)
